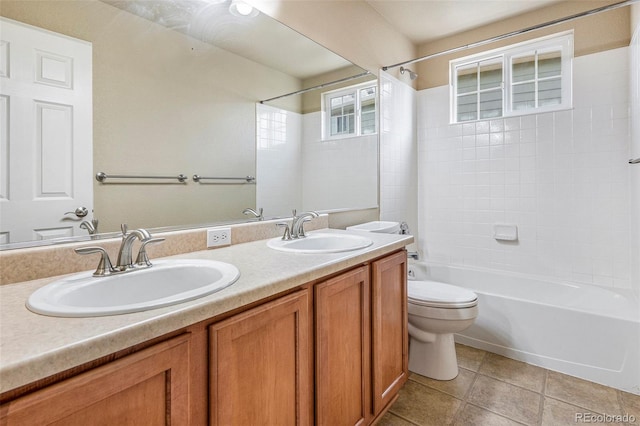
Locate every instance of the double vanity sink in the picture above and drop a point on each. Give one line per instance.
(206, 327)
(167, 282)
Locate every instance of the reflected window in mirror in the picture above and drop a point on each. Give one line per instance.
(350, 111)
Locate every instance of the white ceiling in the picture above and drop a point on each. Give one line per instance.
(426, 20)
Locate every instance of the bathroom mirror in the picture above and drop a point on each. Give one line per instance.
(175, 86)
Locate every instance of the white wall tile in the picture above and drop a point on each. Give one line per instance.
(399, 161)
(331, 179)
(622, 269)
(279, 154)
(562, 177)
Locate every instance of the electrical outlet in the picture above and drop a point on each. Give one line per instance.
(218, 237)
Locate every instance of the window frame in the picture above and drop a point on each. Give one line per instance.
(355, 91)
(562, 42)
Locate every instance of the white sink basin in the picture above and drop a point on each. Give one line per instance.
(321, 243)
(166, 283)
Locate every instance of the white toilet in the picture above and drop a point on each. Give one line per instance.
(436, 311)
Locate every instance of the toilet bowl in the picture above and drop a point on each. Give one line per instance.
(437, 311)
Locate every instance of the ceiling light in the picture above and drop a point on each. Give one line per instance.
(240, 8)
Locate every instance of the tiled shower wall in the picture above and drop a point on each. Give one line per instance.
(563, 178)
(278, 160)
(634, 172)
(297, 169)
(337, 173)
(398, 150)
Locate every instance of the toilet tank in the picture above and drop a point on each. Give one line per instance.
(383, 227)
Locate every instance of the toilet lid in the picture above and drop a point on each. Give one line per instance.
(434, 293)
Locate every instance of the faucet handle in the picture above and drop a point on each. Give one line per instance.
(104, 266)
(287, 231)
(301, 233)
(143, 258)
(124, 228)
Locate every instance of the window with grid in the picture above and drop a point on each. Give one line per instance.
(525, 78)
(350, 111)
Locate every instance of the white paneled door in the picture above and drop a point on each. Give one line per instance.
(46, 135)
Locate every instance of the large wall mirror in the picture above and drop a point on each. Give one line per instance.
(160, 89)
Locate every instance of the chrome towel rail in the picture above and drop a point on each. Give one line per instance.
(634, 161)
(102, 176)
(247, 179)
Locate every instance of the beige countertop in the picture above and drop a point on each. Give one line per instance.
(34, 346)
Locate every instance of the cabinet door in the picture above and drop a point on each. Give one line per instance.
(342, 349)
(260, 365)
(150, 387)
(389, 328)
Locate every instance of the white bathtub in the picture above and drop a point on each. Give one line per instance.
(581, 330)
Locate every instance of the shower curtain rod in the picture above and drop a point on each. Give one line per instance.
(319, 86)
(515, 33)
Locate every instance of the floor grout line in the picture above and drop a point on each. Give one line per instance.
(466, 396)
(496, 413)
(543, 397)
(404, 418)
(509, 383)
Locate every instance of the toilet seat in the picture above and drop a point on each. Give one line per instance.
(435, 294)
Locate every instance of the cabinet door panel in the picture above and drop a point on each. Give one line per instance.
(342, 349)
(150, 387)
(389, 328)
(261, 363)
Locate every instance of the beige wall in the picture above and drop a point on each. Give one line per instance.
(608, 30)
(163, 104)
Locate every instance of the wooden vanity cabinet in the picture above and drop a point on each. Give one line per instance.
(262, 360)
(260, 370)
(389, 323)
(361, 342)
(342, 331)
(150, 387)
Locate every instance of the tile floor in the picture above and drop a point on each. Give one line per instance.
(493, 390)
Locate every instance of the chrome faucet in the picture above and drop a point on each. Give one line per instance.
(296, 230)
(297, 223)
(91, 227)
(257, 214)
(125, 257)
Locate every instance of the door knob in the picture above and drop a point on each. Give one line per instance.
(79, 212)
